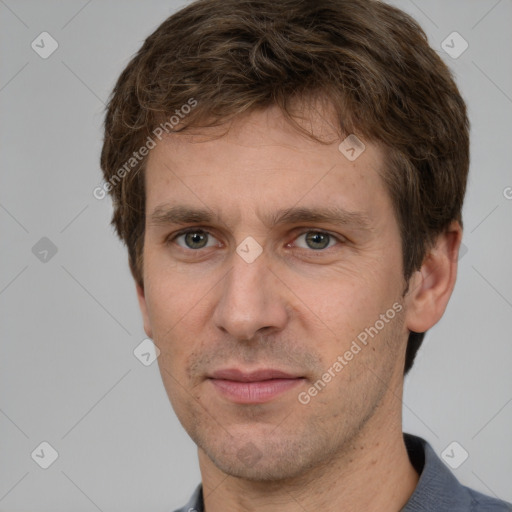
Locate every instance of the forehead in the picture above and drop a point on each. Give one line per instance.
(260, 162)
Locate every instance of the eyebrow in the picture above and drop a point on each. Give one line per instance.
(180, 214)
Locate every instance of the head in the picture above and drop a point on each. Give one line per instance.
(238, 108)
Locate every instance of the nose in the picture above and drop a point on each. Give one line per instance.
(252, 300)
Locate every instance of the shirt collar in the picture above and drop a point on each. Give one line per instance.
(437, 488)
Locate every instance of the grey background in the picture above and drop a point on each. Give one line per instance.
(69, 325)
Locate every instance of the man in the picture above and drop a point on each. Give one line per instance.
(288, 178)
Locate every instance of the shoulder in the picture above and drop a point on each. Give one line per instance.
(482, 503)
(438, 489)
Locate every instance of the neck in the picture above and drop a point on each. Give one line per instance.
(372, 474)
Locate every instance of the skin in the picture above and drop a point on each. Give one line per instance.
(295, 308)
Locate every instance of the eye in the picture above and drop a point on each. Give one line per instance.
(317, 240)
(194, 239)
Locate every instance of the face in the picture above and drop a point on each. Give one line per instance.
(267, 250)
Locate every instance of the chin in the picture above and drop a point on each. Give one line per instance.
(274, 462)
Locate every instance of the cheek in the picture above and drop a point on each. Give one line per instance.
(342, 310)
(343, 295)
(170, 308)
(170, 293)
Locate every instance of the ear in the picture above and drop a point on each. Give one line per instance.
(430, 287)
(144, 310)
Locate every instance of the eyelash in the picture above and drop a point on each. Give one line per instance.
(173, 237)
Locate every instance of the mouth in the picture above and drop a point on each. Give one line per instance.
(254, 387)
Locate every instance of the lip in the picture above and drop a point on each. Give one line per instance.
(254, 387)
(235, 374)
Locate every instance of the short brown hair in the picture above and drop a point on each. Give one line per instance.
(369, 60)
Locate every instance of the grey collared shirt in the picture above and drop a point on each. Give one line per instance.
(437, 491)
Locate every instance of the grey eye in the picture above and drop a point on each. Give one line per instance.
(316, 240)
(195, 239)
